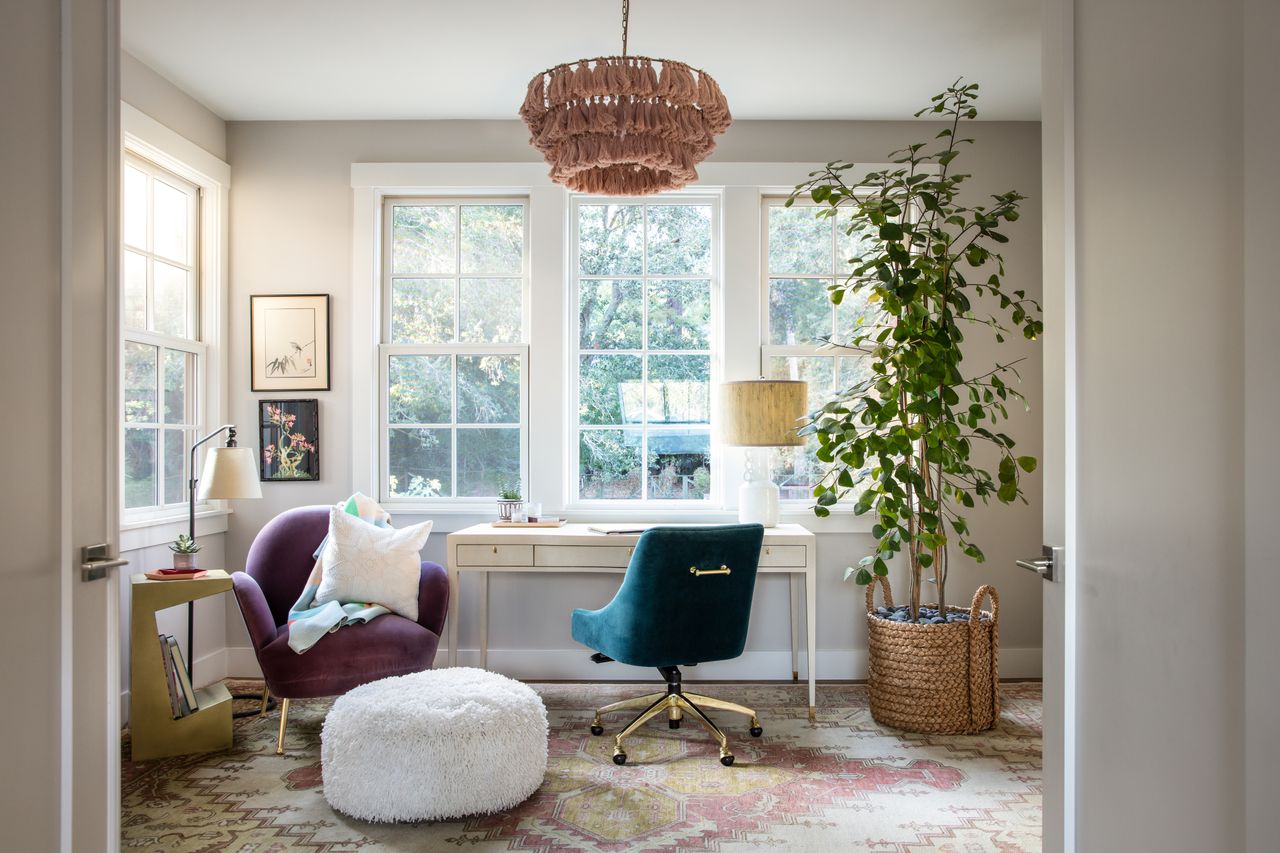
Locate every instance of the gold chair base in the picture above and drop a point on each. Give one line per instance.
(676, 706)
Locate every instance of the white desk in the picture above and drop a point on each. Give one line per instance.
(788, 549)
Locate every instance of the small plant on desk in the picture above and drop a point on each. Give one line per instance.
(184, 550)
(509, 500)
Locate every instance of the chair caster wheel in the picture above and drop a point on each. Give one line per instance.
(756, 731)
(619, 758)
(673, 724)
(726, 760)
(597, 730)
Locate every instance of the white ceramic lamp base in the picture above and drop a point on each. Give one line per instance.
(758, 495)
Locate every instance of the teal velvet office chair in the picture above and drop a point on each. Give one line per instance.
(685, 600)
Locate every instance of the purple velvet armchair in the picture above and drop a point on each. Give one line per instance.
(276, 570)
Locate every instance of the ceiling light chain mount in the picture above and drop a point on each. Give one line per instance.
(624, 125)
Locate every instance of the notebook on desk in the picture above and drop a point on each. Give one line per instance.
(619, 528)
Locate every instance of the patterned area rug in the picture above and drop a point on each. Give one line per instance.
(842, 783)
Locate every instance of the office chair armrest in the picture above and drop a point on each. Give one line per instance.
(433, 597)
(254, 609)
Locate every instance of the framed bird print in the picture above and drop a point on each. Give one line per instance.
(290, 340)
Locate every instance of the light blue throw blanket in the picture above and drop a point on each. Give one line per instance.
(308, 621)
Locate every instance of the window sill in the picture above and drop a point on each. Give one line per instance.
(161, 530)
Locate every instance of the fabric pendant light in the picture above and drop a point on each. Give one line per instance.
(624, 125)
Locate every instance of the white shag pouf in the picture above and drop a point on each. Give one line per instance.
(437, 744)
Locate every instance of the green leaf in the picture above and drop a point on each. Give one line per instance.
(1027, 463)
(864, 577)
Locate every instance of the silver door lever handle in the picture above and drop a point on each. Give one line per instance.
(1049, 566)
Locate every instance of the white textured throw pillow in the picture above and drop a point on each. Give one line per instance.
(379, 565)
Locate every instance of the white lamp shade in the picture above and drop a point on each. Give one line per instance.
(230, 473)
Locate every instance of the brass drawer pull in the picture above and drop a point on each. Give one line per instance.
(495, 549)
(697, 572)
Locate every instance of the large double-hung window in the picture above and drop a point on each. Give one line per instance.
(804, 257)
(163, 357)
(454, 353)
(644, 281)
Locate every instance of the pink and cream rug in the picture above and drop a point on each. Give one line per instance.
(842, 783)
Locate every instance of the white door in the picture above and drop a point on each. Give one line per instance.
(1058, 472)
(59, 155)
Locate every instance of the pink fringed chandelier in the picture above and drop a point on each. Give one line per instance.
(624, 125)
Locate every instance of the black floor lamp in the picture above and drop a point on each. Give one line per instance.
(229, 473)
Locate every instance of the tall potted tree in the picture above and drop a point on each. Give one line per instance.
(906, 444)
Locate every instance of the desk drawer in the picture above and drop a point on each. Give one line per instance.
(782, 555)
(594, 556)
(495, 555)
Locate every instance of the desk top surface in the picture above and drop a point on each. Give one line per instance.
(582, 534)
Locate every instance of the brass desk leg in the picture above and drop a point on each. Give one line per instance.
(813, 714)
(795, 676)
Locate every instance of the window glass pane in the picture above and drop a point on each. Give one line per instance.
(854, 314)
(610, 389)
(848, 246)
(488, 389)
(176, 443)
(170, 310)
(679, 389)
(854, 370)
(139, 467)
(679, 314)
(489, 310)
(419, 389)
(611, 239)
(610, 314)
(799, 311)
(796, 470)
(487, 458)
(679, 464)
(140, 382)
(799, 242)
(134, 221)
(493, 238)
(679, 239)
(135, 290)
(421, 311)
(171, 211)
(420, 463)
(816, 370)
(179, 380)
(609, 463)
(423, 239)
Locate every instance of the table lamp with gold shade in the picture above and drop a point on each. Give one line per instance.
(759, 414)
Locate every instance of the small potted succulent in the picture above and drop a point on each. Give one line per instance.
(184, 550)
(509, 501)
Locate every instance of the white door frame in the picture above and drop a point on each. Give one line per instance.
(89, 772)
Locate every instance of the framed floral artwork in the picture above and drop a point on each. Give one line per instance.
(289, 433)
(290, 342)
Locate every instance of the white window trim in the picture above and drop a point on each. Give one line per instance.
(743, 187)
(147, 138)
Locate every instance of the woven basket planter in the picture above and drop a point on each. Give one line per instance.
(939, 679)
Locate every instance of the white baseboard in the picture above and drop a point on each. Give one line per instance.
(576, 665)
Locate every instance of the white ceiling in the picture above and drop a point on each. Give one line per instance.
(472, 59)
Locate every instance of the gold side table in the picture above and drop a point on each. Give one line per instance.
(154, 732)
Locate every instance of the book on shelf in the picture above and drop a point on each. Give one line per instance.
(170, 677)
(186, 694)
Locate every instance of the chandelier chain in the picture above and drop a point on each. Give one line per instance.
(626, 15)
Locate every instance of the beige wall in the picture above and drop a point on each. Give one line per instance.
(166, 103)
(291, 231)
(30, 101)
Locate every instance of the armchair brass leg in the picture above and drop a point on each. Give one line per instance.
(266, 699)
(284, 718)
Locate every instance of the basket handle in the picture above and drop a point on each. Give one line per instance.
(984, 591)
(877, 580)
